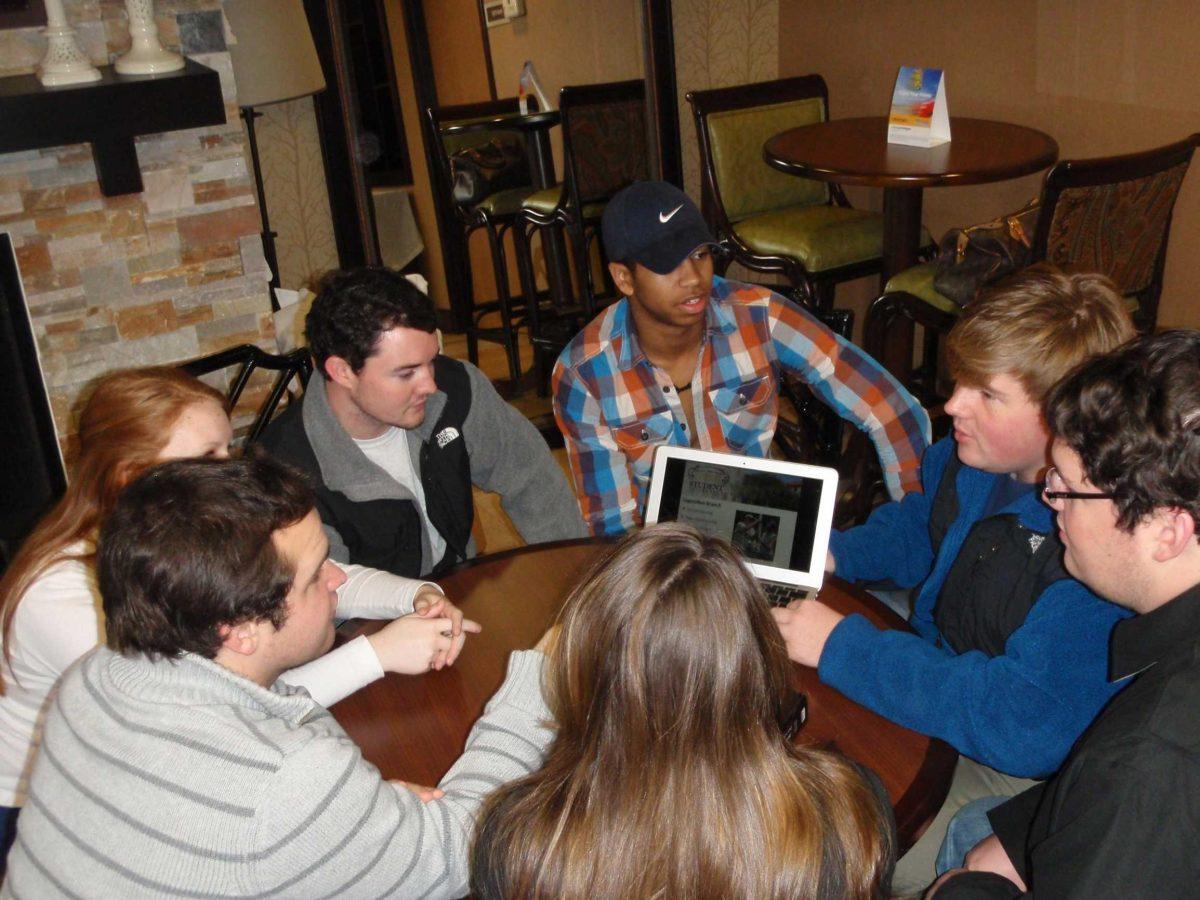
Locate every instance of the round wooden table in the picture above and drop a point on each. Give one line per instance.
(414, 728)
(856, 152)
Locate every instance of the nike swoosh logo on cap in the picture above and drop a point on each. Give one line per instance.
(666, 217)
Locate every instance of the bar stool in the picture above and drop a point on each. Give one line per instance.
(1110, 215)
(604, 150)
(496, 214)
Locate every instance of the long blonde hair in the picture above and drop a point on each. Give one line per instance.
(669, 775)
(124, 425)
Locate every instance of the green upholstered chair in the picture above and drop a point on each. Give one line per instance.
(604, 150)
(1110, 215)
(772, 221)
(495, 214)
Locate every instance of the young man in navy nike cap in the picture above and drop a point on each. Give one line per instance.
(688, 358)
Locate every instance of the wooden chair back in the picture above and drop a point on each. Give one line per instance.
(1113, 215)
(732, 124)
(604, 140)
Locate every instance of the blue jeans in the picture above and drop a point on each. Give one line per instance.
(969, 826)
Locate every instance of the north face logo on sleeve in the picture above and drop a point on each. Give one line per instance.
(446, 435)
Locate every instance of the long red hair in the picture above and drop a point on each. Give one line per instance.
(124, 425)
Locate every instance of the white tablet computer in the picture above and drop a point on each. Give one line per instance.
(776, 514)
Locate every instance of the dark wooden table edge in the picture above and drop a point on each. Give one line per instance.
(518, 551)
(912, 182)
(939, 756)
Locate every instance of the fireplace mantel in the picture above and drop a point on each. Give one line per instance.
(108, 114)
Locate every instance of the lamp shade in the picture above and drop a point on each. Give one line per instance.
(273, 54)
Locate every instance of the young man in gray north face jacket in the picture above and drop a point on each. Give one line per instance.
(394, 435)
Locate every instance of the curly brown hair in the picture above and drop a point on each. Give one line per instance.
(355, 306)
(1133, 416)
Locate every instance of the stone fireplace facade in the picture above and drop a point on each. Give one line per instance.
(166, 275)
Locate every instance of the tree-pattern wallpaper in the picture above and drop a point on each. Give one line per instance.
(297, 197)
(711, 41)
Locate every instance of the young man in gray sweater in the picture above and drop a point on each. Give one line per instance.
(175, 763)
(394, 435)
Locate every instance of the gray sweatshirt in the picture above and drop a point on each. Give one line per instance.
(508, 458)
(181, 778)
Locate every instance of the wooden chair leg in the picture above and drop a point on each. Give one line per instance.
(822, 293)
(500, 269)
(532, 304)
(880, 321)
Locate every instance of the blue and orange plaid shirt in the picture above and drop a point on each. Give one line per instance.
(615, 407)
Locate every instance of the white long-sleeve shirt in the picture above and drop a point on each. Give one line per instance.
(61, 617)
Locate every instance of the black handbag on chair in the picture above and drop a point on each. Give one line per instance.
(971, 258)
(481, 171)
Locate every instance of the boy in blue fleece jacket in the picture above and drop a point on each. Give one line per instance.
(1009, 662)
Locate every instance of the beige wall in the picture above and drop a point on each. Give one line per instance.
(421, 195)
(1102, 77)
(710, 41)
(456, 48)
(297, 195)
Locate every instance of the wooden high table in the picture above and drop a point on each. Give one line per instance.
(856, 152)
(414, 728)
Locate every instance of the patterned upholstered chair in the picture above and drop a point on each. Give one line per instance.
(604, 150)
(1109, 215)
(494, 214)
(772, 221)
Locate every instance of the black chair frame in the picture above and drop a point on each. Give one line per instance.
(294, 365)
(456, 256)
(552, 326)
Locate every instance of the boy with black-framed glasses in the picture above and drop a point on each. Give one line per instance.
(1009, 660)
(1118, 820)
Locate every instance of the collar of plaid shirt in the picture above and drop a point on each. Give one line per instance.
(624, 336)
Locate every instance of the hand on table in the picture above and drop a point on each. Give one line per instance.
(414, 644)
(432, 603)
(805, 626)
